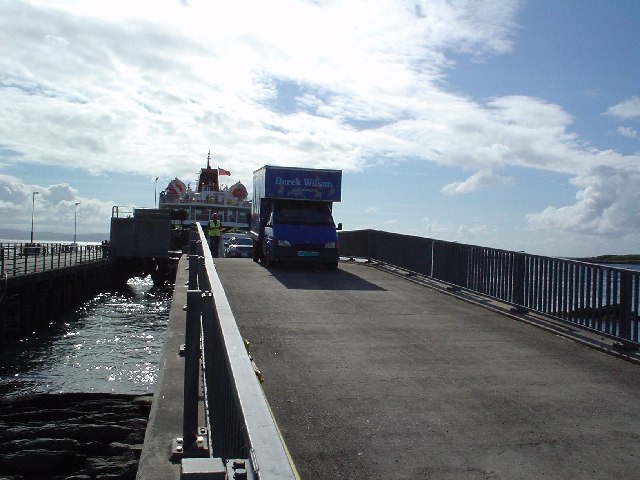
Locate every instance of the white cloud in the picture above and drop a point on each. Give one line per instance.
(53, 208)
(606, 204)
(468, 234)
(625, 110)
(478, 180)
(202, 76)
(434, 228)
(627, 132)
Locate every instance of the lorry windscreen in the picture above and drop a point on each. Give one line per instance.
(303, 213)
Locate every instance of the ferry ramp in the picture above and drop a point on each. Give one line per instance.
(370, 375)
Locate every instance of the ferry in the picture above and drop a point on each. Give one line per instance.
(150, 240)
(188, 206)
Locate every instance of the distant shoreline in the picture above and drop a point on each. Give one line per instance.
(629, 259)
(51, 237)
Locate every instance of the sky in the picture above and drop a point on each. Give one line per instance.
(509, 124)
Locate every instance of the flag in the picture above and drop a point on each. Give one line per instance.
(222, 171)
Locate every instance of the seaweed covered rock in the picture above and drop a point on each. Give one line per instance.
(79, 435)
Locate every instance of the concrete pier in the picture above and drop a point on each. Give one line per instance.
(371, 375)
(28, 301)
(165, 418)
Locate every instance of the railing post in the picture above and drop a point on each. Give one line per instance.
(194, 268)
(193, 246)
(518, 283)
(211, 369)
(463, 266)
(191, 369)
(626, 292)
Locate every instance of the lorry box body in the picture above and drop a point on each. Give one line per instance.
(292, 218)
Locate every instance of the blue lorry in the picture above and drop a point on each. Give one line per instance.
(291, 217)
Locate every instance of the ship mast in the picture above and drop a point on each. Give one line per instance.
(208, 178)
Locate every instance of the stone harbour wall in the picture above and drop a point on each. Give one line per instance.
(74, 436)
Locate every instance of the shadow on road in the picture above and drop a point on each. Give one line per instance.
(310, 277)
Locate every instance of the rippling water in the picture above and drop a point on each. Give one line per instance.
(111, 344)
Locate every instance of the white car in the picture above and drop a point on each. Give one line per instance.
(239, 247)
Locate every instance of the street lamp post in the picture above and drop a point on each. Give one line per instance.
(75, 222)
(33, 207)
(155, 193)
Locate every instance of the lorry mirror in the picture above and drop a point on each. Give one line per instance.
(339, 227)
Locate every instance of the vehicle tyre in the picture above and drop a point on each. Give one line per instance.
(256, 251)
(268, 259)
(332, 266)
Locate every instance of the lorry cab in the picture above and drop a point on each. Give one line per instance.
(300, 232)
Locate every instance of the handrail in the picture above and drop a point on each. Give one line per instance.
(21, 258)
(120, 211)
(240, 424)
(595, 297)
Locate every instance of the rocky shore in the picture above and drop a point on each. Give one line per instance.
(73, 436)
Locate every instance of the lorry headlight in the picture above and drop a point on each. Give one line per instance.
(330, 245)
(284, 243)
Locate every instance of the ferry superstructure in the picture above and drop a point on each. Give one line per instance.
(189, 206)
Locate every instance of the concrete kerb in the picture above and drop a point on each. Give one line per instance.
(165, 418)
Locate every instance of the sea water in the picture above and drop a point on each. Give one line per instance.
(111, 344)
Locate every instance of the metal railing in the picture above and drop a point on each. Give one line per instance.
(21, 258)
(600, 298)
(240, 428)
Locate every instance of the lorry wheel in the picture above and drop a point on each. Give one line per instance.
(256, 251)
(268, 261)
(332, 266)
